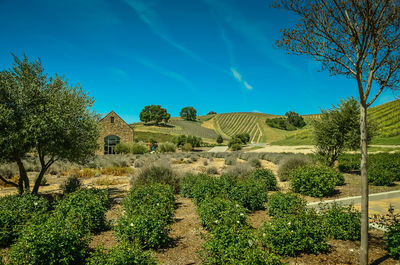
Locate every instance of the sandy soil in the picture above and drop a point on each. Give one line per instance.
(185, 233)
(303, 149)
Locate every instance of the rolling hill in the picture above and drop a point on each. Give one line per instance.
(385, 116)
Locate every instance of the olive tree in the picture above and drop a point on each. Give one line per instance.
(357, 39)
(188, 113)
(45, 116)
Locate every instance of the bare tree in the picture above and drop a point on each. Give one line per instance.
(356, 38)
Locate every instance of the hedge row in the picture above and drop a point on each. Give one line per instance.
(62, 235)
(231, 239)
(250, 191)
(148, 211)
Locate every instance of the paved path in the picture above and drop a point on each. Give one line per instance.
(218, 149)
(379, 203)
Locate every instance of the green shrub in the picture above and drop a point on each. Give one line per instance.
(392, 239)
(290, 235)
(187, 184)
(349, 162)
(137, 148)
(54, 239)
(15, 212)
(187, 147)
(150, 228)
(289, 163)
(235, 245)
(315, 181)
(148, 210)
(123, 254)
(384, 169)
(285, 203)
(342, 222)
(122, 148)
(155, 195)
(219, 211)
(88, 205)
(206, 187)
(266, 176)
(71, 184)
(156, 173)
(236, 147)
(250, 193)
(166, 147)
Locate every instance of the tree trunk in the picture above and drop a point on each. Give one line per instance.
(39, 178)
(364, 185)
(23, 177)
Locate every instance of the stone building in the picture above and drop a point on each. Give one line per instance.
(113, 130)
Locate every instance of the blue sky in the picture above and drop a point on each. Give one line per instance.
(214, 55)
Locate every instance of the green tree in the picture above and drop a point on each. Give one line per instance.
(243, 137)
(338, 129)
(220, 140)
(188, 113)
(43, 115)
(357, 39)
(154, 113)
(295, 119)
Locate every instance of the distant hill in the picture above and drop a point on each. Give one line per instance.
(208, 127)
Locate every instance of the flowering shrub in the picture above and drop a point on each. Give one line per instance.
(148, 210)
(51, 239)
(285, 203)
(266, 176)
(17, 210)
(123, 254)
(249, 193)
(221, 212)
(290, 235)
(342, 222)
(235, 246)
(89, 205)
(315, 181)
(150, 228)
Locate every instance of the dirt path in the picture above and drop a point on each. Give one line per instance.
(185, 232)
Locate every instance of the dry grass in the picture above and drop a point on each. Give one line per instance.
(108, 181)
(13, 179)
(116, 171)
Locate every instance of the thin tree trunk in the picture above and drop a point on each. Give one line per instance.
(364, 186)
(23, 177)
(35, 189)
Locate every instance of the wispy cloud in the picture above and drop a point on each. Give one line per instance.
(148, 15)
(236, 74)
(252, 32)
(168, 73)
(247, 85)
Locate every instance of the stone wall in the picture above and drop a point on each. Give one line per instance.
(119, 128)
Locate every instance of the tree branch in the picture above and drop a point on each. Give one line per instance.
(8, 182)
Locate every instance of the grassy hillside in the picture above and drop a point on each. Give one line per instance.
(176, 126)
(385, 116)
(387, 119)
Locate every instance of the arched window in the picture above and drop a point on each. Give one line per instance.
(110, 142)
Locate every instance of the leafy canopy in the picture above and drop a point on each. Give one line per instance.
(44, 115)
(154, 113)
(338, 129)
(188, 113)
